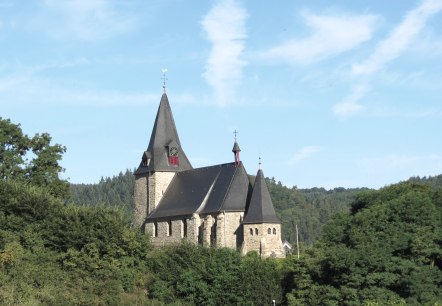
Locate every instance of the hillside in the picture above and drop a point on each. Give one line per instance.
(308, 208)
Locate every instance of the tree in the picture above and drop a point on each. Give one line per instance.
(387, 251)
(34, 160)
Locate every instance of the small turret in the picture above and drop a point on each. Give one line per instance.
(236, 150)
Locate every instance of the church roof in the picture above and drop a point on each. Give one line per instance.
(164, 134)
(261, 208)
(224, 187)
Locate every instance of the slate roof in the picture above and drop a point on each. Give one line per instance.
(206, 190)
(164, 133)
(261, 208)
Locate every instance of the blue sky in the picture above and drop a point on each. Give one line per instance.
(342, 93)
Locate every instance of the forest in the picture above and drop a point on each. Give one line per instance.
(74, 245)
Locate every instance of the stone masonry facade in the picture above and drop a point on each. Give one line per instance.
(218, 230)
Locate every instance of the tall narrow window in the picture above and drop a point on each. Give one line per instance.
(256, 231)
(269, 231)
(274, 231)
(169, 228)
(184, 223)
(251, 231)
(155, 229)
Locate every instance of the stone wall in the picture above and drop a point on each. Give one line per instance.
(140, 200)
(158, 183)
(228, 230)
(263, 238)
(166, 232)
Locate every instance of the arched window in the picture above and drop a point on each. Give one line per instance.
(269, 231)
(256, 231)
(169, 228)
(274, 231)
(251, 231)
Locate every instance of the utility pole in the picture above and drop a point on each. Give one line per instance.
(297, 239)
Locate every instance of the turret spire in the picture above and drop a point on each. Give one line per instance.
(261, 208)
(236, 149)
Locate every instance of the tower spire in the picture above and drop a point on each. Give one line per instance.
(236, 149)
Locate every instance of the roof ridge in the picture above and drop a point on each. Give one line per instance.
(230, 185)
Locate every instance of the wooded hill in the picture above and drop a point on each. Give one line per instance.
(385, 248)
(308, 208)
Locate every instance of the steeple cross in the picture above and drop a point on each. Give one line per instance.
(260, 163)
(236, 133)
(164, 70)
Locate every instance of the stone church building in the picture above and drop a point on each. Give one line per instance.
(210, 206)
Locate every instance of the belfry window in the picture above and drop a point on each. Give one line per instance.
(173, 161)
(256, 231)
(251, 231)
(269, 231)
(173, 156)
(274, 231)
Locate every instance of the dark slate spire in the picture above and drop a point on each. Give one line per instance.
(164, 152)
(261, 208)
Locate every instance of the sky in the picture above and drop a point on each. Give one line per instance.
(328, 93)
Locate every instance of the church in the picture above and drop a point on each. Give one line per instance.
(210, 206)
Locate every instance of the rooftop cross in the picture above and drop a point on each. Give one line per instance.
(164, 70)
(236, 133)
(260, 163)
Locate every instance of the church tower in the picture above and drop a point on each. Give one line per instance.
(163, 158)
(261, 226)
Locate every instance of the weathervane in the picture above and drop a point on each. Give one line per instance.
(164, 70)
(236, 133)
(260, 163)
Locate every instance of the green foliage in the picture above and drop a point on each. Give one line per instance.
(387, 251)
(208, 276)
(310, 209)
(115, 192)
(32, 160)
(52, 254)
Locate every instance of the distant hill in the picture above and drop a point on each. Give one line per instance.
(115, 191)
(307, 208)
(433, 181)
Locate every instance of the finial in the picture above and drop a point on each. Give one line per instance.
(236, 133)
(260, 163)
(164, 70)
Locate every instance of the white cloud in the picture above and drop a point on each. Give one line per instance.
(331, 35)
(349, 106)
(87, 20)
(386, 51)
(225, 28)
(304, 153)
(400, 38)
